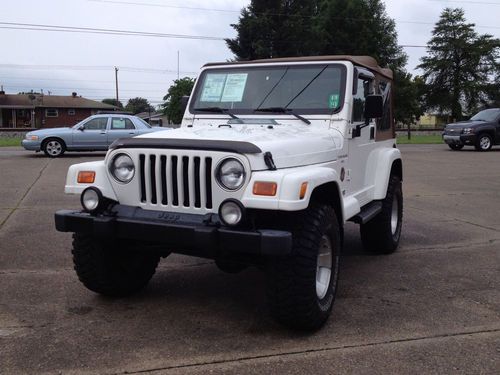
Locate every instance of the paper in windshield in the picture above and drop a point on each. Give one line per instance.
(214, 85)
(234, 87)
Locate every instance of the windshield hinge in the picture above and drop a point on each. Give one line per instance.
(268, 159)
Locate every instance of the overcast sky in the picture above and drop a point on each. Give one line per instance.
(83, 62)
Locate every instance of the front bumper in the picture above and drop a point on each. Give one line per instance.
(198, 235)
(464, 139)
(31, 145)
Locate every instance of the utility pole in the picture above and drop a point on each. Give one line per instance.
(178, 67)
(116, 84)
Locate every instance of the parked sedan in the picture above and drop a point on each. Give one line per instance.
(482, 131)
(92, 134)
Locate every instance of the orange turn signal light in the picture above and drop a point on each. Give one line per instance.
(265, 188)
(86, 177)
(303, 190)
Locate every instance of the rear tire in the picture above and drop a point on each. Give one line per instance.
(456, 147)
(302, 286)
(54, 147)
(381, 234)
(112, 268)
(484, 142)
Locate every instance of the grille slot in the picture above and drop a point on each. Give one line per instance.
(175, 180)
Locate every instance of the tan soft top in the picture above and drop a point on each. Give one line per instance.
(364, 61)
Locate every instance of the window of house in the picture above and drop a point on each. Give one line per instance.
(51, 112)
(121, 124)
(71, 112)
(96, 124)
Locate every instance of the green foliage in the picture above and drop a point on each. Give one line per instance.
(172, 106)
(138, 105)
(460, 66)
(420, 139)
(282, 28)
(114, 102)
(10, 141)
(408, 107)
(275, 28)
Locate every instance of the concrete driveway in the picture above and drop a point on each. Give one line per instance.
(432, 307)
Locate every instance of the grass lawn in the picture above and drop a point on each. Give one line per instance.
(9, 142)
(419, 139)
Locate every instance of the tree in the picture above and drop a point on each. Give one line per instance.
(137, 105)
(275, 28)
(459, 68)
(114, 102)
(172, 106)
(282, 28)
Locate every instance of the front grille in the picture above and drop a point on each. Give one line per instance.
(175, 180)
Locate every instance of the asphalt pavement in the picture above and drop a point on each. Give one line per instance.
(432, 307)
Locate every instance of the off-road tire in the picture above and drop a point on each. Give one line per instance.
(484, 142)
(378, 235)
(456, 147)
(115, 269)
(292, 295)
(53, 147)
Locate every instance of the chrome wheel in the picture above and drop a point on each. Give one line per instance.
(54, 148)
(324, 267)
(485, 143)
(394, 215)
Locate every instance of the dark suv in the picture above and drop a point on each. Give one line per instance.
(482, 131)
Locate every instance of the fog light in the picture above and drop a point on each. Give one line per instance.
(91, 199)
(231, 212)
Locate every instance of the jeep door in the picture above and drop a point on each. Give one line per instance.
(120, 128)
(91, 135)
(361, 146)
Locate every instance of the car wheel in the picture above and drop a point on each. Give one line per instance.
(54, 147)
(112, 268)
(456, 146)
(483, 142)
(302, 287)
(381, 234)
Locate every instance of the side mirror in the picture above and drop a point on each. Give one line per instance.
(81, 128)
(184, 103)
(374, 106)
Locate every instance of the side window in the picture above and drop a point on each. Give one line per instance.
(96, 124)
(121, 124)
(385, 90)
(359, 99)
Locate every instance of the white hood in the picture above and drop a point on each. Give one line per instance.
(290, 145)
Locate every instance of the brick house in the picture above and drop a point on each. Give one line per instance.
(24, 111)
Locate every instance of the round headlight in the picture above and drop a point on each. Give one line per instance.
(91, 199)
(231, 174)
(231, 212)
(122, 168)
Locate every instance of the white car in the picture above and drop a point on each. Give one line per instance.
(272, 159)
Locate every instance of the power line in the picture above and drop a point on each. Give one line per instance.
(466, 2)
(92, 67)
(6, 85)
(121, 2)
(93, 30)
(81, 80)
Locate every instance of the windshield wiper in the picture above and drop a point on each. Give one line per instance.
(218, 110)
(283, 110)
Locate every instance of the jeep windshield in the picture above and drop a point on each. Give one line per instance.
(304, 89)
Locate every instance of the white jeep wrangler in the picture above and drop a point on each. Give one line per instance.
(272, 158)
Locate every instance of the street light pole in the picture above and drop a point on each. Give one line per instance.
(116, 84)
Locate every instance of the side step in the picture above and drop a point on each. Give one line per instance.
(368, 212)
